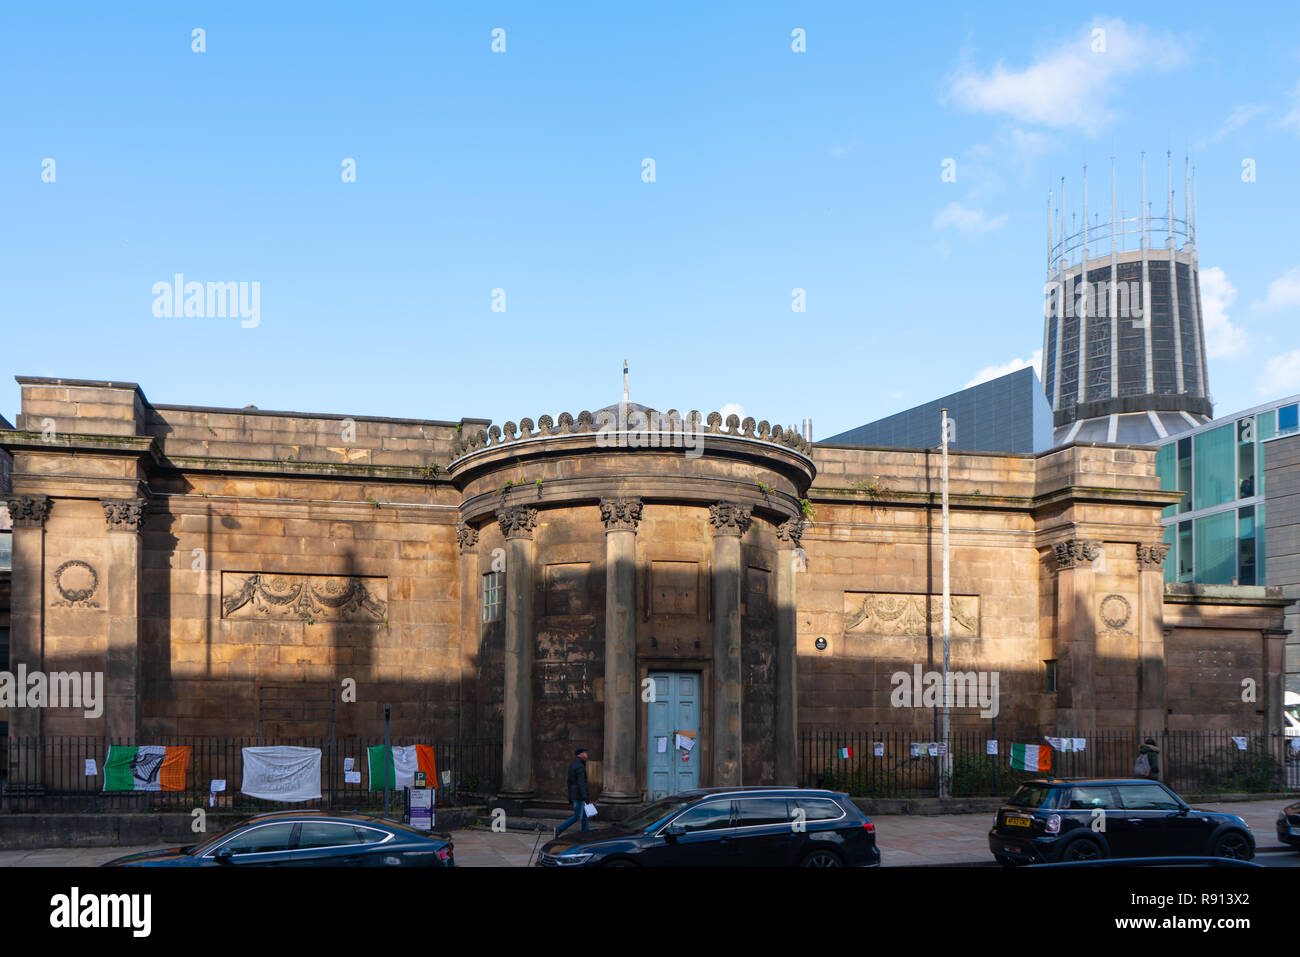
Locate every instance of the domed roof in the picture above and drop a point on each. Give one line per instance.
(627, 406)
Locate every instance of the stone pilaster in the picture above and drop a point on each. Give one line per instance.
(790, 561)
(471, 626)
(619, 780)
(517, 523)
(1076, 636)
(730, 520)
(1151, 705)
(26, 630)
(124, 518)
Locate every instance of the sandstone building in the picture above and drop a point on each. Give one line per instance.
(538, 582)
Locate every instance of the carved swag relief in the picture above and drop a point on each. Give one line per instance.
(304, 597)
(909, 615)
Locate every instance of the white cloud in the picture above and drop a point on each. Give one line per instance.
(967, 220)
(1291, 121)
(1223, 340)
(1069, 86)
(1283, 292)
(1235, 121)
(1281, 375)
(839, 152)
(1035, 361)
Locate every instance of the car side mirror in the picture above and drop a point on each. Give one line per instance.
(224, 856)
(674, 830)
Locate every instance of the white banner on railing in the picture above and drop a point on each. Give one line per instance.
(282, 773)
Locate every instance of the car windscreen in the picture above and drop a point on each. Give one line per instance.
(1032, 795)
(198, 850)
(656, 812)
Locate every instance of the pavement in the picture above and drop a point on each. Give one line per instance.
(904, 840)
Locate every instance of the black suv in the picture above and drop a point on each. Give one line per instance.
(1093, 818)
(729, 827)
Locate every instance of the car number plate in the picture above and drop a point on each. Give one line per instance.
(1295, 831)
(1019, 821)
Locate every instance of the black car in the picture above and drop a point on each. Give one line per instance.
(306, 839)
(1094, 818)
(1288, 826)
(728, 827)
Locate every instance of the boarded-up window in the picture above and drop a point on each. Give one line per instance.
(566, 589)
(756, 591)
(674, 588)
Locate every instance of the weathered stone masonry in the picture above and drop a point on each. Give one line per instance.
(200, 557)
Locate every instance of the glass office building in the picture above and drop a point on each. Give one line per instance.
(1006, 414)
(1216, 533)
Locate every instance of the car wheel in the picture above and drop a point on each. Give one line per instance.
(822, 859)
(1083, 850)
(1234, 846)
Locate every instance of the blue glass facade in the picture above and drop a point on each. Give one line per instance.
(1216, 533)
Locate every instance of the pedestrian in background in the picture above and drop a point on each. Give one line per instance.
(1148, 761)
(577, 791)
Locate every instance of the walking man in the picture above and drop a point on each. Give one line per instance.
(577, 791)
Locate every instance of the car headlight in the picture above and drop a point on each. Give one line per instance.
(570, 859)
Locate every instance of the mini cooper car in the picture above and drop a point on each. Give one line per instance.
(1091, 819)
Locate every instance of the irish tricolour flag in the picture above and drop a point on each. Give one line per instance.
(146, 768)
(1031, 757)
(397, 766)
(846, 752)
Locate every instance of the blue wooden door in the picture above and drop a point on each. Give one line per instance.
(675, 709)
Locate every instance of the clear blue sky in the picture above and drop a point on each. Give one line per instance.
(522, 171)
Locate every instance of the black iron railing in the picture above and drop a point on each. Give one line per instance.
(900, 764)
(48, 774)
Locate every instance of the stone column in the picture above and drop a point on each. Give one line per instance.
(1151, 706)
(471, 627)
(517, 523)
(122, 678)
(789, 561)
(619, 780)
(27, 630)
(729, 520)
(1076, 637)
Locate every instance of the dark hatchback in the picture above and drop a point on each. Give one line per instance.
(728, 827)
(306, 839)
(1288, 826)
(1096, 818)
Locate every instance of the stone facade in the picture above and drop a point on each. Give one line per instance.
(202, 558)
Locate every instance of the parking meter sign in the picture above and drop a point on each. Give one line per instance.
(422, 808)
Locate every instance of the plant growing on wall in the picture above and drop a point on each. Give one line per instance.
(806, 507)
(874, 489)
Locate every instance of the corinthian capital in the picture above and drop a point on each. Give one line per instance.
(620, 514)
(517, 521)
(124, 514)
(1152, 557)
(1076, 551)
(28, 511)
(729, 518)
(790, 531)
(466, 535)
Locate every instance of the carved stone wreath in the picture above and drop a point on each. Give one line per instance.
(1115, 611)
(65, 582)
